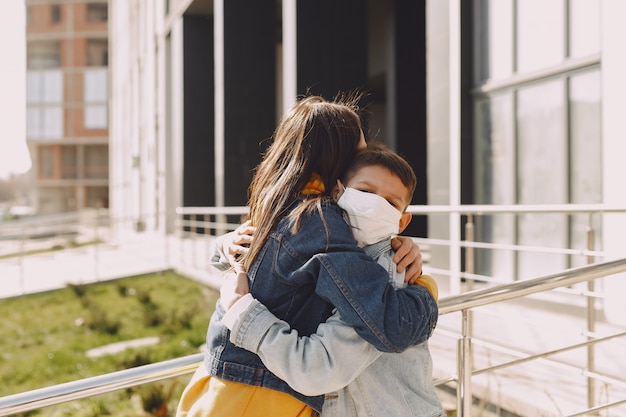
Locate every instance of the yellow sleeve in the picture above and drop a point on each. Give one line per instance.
(430, 284)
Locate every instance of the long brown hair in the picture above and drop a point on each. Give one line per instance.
(315, 136)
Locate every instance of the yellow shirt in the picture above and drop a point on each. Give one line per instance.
(208, 396)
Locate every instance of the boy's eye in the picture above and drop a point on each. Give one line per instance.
(393, 204)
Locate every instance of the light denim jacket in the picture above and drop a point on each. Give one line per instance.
(301, 278)
(369, 383)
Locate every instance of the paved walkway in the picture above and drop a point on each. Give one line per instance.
(132, 254)
(535, 389)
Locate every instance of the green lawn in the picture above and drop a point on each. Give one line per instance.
(44, 339)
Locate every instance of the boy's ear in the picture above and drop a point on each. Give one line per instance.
(404, 221)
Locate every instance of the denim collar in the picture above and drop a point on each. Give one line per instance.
(375, 250)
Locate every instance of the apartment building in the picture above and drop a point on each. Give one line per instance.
(67, 98)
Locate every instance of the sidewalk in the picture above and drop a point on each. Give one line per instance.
(134, 254)
(534, 389)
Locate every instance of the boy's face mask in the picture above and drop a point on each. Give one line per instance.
(372, 217)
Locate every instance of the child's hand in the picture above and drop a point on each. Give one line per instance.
(234, 287)
(407, 255)
(238, 242)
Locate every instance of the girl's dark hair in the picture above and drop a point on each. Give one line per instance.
(315, 136)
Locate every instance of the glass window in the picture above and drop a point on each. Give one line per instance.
(540, 34)
(45, 159)
(29, 15)
(55, 13)
(96, 85)
(97, 52)
(97, 12)
(33, 87)
(584, 28)
(585, 136)
(52, 122)
(495, 182)
(586, 156)
(43, 54)
(97, 161)
(96, 116)
(541, 126)
(33, 123)
(96, 99)
(539, 141)
(495, 39)
(69, 162)
(44, 96)
(52, 87)
(542, 174)
(97, 197)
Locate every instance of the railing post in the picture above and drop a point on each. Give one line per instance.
(464, 369)
(470, 269)
(591, 319)
(469, 250)
(96, 244)
(21, 259)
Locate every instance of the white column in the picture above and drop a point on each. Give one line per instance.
(175, 145)
(455, 143)
(218, 48)
(14, 157)
(614, 147)
(289, 55)
(161, 120)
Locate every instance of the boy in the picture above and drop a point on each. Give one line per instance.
(377, 189)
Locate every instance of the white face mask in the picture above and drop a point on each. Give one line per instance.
(372, 217)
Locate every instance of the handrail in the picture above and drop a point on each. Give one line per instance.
(87, 387)
(515, 209)
(516, 289)
(101, 384)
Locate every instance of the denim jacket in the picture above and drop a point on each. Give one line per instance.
(301, 278)
(370, 383)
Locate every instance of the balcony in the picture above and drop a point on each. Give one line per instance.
(536, 346)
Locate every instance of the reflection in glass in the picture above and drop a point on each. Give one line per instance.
(584, 36)
(586, 156)
(542, 167)
(44, 96)
(495, 182)
(96, 96)
(96, 161)
(69, 162)
(541, 34)
(494, 38)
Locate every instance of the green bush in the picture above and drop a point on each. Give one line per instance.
(44, 338)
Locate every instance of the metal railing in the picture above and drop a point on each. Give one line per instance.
(197, 224)
(460, 303)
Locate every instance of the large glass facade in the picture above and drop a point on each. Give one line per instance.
(537, 136)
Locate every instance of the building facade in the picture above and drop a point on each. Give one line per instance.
(496, 102)
(67, 98)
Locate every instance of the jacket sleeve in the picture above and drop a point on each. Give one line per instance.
(219, 259)
(326, 361)
(390, 319)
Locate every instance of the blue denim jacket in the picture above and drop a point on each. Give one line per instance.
(370, 383)
(301, 277)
